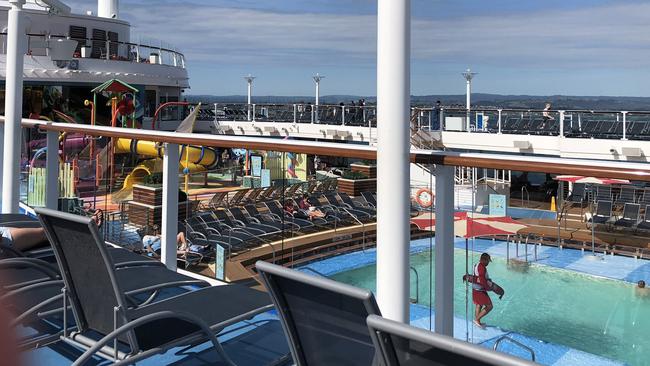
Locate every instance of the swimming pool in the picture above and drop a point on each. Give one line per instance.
(596, 315)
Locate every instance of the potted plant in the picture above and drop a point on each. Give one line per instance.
(354, 182)
(367, 167)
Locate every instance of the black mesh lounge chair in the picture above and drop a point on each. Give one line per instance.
(630, 215)
(230, 223)
(271, 219)
(645, 197)
(603, 193)
(626, 195)
(603, 213)
(276, 208)
(401, 344)
(347, 200)
(359, 214)
(100, 306)
(332, 210)
(370, 198)
(577, 194)
(238, 197)
(249, 222)
(218, 200)
(645, 224)
(324, 320)
(233, 241)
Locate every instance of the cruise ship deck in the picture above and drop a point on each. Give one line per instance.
(307, 234)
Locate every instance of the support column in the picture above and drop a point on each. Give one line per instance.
(499, 121)
(16, 42)
(169, 229)
(561, 123)
(393, 100)
(52, 171)
(444, 251)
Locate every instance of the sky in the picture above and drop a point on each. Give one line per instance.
(550, 47)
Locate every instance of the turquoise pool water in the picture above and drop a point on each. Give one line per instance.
(600, 316)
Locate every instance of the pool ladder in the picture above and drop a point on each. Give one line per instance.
(516, 343)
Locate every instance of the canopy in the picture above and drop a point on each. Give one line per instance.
(187, 126)
(471, 224)
(115, 86)
(590, 180)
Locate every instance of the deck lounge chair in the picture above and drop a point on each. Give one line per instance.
(603, 193)
(644, 200)
(577, 194)
(218, 200)
(645, 224)
(324, 320)
(269, 218)
(603, 213)
(369, 198)
(333, 199)
(630, 215)
(626, 195)
(276, 208)
(347, 200)
(249, 222)
(100, 306)
(225, 220)
(401, 344)
(238, 197)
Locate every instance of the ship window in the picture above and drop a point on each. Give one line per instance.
(99, 43)
(114, 38)
(78, 34)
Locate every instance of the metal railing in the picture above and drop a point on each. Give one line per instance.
(516, 343)
(622, 125)
(96, 48)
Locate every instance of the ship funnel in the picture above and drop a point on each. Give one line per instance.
(108, 9)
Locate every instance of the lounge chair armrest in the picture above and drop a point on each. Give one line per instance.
(141, 321)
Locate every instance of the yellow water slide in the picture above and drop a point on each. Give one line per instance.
(195, 158)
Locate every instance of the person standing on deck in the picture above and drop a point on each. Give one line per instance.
(480, 287)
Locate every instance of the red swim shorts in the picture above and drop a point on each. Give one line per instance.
(481, 298)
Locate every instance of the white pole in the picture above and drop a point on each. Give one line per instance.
(16, 41)
(249, 79)
(561, 123)
(468, 75)
(624, 125)
(52, 171)
(499, 121)
(393, 94)
(444, 251)
(170, 206)
(317, 78)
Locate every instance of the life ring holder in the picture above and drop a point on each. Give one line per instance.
(423, 202)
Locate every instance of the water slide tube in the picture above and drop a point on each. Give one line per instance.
(194, 158)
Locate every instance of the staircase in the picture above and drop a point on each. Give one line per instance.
(423, 139)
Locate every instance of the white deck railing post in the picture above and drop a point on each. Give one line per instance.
(52, 171)
(169, 225)
(499, 120)
(444, 250)
(561, 123)
(393, 105)
(16, 42)
(624, 125)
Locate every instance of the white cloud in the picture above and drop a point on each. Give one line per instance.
(612, 36)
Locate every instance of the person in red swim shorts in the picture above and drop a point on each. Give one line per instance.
(480, 288)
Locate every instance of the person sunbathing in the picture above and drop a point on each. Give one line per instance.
(153, 243)
(23, 239)
(311, 211)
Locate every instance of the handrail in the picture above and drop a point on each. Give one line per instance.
(594, 168)
(417, 284)
(515, 342)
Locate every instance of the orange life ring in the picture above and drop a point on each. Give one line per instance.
(424, 202)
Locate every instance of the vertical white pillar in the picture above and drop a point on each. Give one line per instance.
(52, 171)
(444, 251)
(561, 123)
(16, 41)
(393, 100)
(170, 205)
